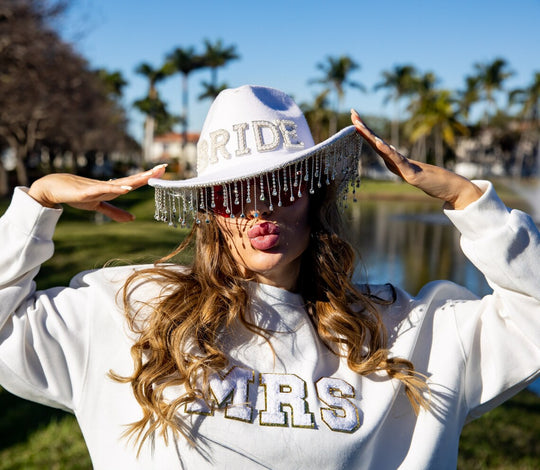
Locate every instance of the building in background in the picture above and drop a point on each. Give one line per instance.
(169, 148)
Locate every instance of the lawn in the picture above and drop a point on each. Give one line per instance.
(35, 437)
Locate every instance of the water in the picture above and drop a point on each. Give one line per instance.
(530, 191)
(410, 244)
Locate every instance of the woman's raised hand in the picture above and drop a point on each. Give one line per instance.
(89, 194)
(456, 190)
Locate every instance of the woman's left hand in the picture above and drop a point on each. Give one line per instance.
(456, 190)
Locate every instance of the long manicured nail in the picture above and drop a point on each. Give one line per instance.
(153, 170)
(357, 119)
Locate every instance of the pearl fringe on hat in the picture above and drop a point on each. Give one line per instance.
(256, 146)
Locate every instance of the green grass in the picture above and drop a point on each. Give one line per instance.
(36, 437)
(373, 190)
(56, 445)
(81, 243)
(505, 438)
(133, 243)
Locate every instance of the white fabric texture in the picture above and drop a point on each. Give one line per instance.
(303, 408)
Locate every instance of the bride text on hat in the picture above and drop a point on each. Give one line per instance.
(266, 135)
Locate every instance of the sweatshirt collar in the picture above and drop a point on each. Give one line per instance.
(276, 309)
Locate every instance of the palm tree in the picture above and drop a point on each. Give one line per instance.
(336, 71)
(209, 91)
(184, 61)
(434, 114)
(217, 55)
(163, 120)
(491, 77)
(469, 96)
(150, 107)
(425, 84)
(529, 99)
(114, 82)
(422, 86)
(154, 76)
(318, 116)
(401, 81)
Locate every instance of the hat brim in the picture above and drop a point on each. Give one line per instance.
(245, 169)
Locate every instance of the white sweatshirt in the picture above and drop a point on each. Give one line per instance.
(303, 409)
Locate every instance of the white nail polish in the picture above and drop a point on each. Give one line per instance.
(153, 170)
(129, 188)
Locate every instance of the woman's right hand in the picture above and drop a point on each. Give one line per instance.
(89, 194)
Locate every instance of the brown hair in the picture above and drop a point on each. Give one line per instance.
(178, 334)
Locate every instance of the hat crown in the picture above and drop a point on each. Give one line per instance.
(247, 124)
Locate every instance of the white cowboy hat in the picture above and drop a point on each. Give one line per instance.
(259, 135)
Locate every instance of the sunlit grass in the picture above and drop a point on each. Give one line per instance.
(504, 438)
(55, 446)
(374, 189)
(81, 246)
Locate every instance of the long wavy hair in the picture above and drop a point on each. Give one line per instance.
(179, 334)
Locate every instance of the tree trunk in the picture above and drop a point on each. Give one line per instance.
(423, 148)
(517, 169)
(149, 125)
(22, 174)
(538, 158)
(184, 110)
(332, 128)
(4, 186)
(439, 149)
(395, 125)
(20, 154)
(334, 117)
(419, 150)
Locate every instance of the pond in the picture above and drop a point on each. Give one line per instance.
(409, 244)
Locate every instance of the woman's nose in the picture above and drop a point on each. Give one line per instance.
(261, 209)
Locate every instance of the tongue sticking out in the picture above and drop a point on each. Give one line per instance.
(263, 236)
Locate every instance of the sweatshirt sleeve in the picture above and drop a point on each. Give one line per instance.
(42, 350)
(500, 335)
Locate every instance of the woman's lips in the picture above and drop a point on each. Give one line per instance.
(263, 236)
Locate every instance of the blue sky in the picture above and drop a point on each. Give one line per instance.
(280, 42)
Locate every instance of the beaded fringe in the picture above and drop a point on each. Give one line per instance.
(335, 164)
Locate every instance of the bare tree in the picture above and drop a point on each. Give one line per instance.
(48, 93)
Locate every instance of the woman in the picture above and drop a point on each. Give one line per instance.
(263, 354)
